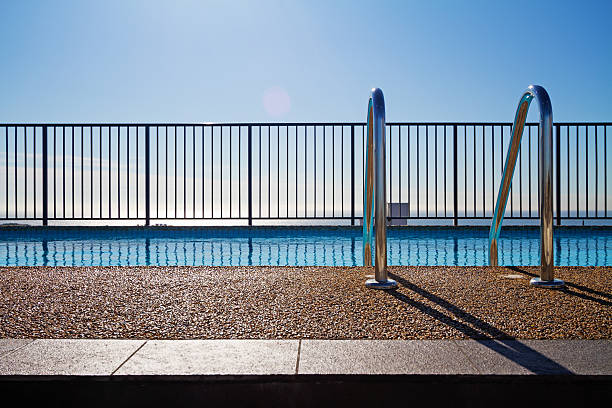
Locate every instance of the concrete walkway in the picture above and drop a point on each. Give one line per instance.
(24, 357)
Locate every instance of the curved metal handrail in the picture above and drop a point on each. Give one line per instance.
(374, 194)
(547, 278)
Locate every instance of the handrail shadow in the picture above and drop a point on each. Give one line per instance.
(487, 335)
(569, 285)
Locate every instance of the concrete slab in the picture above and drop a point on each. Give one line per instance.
(504, 357)
(584, 357)
(68, 357)
(213, 357)
(280, 357)
(8, 345)
(382, 357)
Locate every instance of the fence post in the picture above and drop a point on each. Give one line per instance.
(558, 128)
(250, 181)
(45, 180)
(352, 174)
(147, 177)
(455, 215)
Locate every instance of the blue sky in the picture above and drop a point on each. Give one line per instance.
(213, 61)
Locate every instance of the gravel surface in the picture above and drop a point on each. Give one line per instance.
(301, 302)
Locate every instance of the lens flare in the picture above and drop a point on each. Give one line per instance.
(276, 101)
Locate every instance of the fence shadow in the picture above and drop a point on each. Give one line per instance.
(486, 334)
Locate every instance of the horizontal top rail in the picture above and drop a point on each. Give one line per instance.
(144, 124)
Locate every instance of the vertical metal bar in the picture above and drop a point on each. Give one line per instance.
(399, 169)
(230, 171)
(128, 172)
(305, 171)
(269, 177)
(45, 178)
(203, 178)
(277, 171)
(176, 172)
(455, 218)
(25, 167)
(287, 164)
(436, 167)
(118, 171)
(520, 180)
(156, 172)
(240, 171)
(586, 175)
(529, 137)
(63, 171)
(390, 164)
(342, 168)
(493, 167)
(605, 171)
(221, 169)
(409, 191)
(483, 173)
(501, 155)
(34, 159)
(426, 171)
(596, 168)
(502, 160)
(465, 170)
(259, 172)
(185, 174)
(558, 154)
(445, 160)
(418, 178)
(193, 132)
(577, 173)
(6, 165)
(147, 176)
(250, 179)
(324, 165)
(333, 171)
(54, 172)
(352, 174)
(91, 172)
(109, 172)
(474, 168)
(296, 172)
(314, 156)
(82, 183)
(138, 175)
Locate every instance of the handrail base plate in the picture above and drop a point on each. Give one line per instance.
(552, 284)
(383, 285)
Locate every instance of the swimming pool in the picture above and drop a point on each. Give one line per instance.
(337, 246)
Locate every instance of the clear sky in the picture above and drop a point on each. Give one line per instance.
(244, 61)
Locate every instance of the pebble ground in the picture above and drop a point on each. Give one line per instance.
(301, 302)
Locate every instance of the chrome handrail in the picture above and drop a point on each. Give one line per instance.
(374, 194)
(547, 274)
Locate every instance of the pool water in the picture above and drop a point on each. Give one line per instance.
(338, 246)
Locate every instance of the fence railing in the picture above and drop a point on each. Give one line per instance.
(289, 172)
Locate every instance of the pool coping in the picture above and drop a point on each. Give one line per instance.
(56, 358)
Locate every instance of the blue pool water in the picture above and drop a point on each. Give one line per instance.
(292, 246)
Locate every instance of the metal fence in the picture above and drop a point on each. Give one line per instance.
(289, 172)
